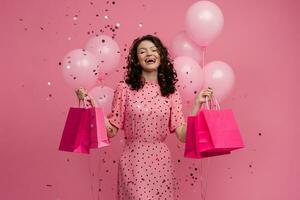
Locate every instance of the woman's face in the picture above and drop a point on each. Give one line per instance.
(148, 56)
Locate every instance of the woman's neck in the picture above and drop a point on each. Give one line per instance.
(149, 76)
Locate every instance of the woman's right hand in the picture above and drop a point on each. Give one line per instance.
(81, 93)
(110, 129)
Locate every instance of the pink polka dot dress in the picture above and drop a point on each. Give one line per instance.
(145, 170)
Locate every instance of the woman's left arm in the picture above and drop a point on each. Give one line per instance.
(181, 130)
(200, 99)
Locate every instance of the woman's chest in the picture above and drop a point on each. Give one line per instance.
(147, 102)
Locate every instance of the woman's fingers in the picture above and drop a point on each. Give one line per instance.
(209, 89)
(207, 93)
(108, 125)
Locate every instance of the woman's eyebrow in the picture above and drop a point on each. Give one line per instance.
(144, 48)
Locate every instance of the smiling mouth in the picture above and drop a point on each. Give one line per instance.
(150, 60)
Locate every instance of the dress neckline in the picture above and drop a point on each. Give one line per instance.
(151, 82)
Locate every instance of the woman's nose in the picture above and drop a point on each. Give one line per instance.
(148, 53)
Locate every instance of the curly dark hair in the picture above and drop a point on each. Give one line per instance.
(166, 74)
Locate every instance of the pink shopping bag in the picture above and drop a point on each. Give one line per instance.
(216, 129)
(84, 129)
(98, 131)
(75, 137)
(191, 150)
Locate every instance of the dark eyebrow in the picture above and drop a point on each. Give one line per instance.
(145, 48)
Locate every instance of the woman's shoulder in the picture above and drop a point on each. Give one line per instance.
(122, 85)
(174, 93)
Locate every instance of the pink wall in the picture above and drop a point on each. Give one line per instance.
(260, 41)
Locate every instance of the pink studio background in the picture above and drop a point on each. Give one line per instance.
(260, 41)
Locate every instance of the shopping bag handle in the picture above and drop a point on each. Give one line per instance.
(214, 101)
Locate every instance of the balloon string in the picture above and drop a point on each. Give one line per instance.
(98, 178)
(107, 77)
(90, 171)
(201, 178)
(203, 186)
(203, 56)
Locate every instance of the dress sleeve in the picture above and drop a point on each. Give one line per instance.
(116, 116)
(176, 115)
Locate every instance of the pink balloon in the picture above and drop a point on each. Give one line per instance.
(220, 77)
(182, 45)
(107, 53)
(103, 97)
(204, 22)
(79, 69)
(190, 77)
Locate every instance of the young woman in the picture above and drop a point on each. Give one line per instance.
(148, 107)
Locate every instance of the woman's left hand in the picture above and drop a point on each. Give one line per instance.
(201, 96)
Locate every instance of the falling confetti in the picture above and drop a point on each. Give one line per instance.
(48, 185)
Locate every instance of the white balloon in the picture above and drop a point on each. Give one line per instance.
(103, 97)
(220, 77)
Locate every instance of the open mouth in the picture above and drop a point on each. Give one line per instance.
(150, 60)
